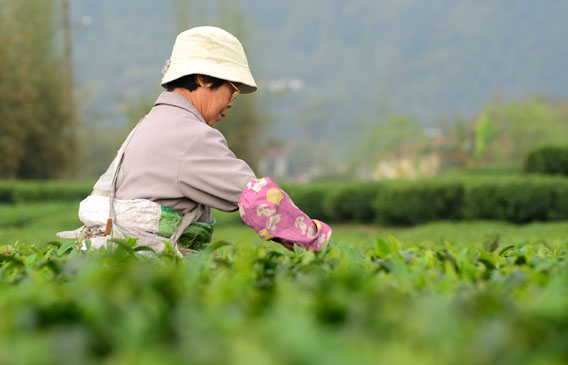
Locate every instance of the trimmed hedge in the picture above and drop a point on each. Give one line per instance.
(311, 198)
(519, 198)
(418, 202)
(350, 202)
(517, 201)
(28, 191)
(547, 160)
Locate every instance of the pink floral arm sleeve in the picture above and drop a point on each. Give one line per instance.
(267, 209)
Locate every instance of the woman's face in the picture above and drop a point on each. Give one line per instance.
(213, 104)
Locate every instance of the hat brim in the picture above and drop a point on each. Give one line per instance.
(234, 73)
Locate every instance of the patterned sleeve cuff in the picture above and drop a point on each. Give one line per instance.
(267, 209)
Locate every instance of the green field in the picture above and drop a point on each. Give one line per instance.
(441, 293)
(38, 222)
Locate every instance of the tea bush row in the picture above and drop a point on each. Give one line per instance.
(518, 199)
(31, 191)
(547, 160)
(250, 304)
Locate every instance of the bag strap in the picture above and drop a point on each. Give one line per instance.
(186, 221)
(111, 221)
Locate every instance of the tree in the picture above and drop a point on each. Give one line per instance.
(396, 131)
(505, 133)
(36, 119)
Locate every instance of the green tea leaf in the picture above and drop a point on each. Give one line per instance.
(487, 259)
(216, 245)
(66, 246)
(382, 248)
(308, 257)
(394, 244)
(506, 249)
(144, 248)
(126, 244)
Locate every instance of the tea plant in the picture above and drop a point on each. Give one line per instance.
(247, 303)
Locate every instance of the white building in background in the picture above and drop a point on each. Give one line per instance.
(427, 165)
(280, 85)
(274, 163)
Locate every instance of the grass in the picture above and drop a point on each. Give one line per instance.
(230, 228)
(38, 222)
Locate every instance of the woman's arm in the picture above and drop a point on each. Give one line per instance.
(209, 172)
(267, 209)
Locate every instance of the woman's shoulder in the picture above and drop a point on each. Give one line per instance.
(169, 118)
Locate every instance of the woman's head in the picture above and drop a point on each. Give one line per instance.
(209, 51)
(211, 96)
(209, 67)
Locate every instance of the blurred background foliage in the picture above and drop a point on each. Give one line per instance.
(357, 90)
(37, 128)
(506, 133)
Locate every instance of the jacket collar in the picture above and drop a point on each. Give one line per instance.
(175, 99)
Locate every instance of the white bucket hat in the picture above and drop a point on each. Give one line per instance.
(209, 51)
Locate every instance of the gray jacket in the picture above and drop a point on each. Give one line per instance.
(177, 160)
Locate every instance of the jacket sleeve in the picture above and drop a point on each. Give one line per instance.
(267, 209)
(210, 173)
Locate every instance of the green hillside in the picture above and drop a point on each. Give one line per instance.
(351, 61)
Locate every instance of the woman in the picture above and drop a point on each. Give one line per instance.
(174, 167)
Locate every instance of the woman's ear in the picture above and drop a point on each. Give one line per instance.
(202, 82)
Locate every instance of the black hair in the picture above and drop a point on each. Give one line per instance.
(189, 82)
